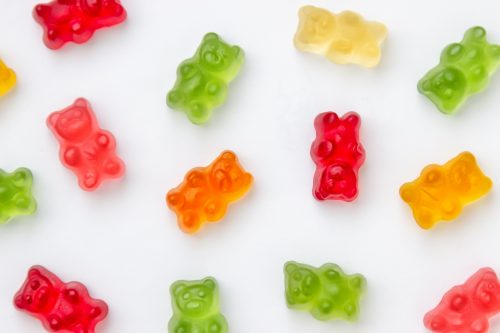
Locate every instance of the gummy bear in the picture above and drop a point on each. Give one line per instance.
(338, 155)
(7, 78)
(202, 81)
(206, 192)
(196, 307)
(60, 306)
(344, 38)
(466, 308)
(15, 194)
(465, 69)
(86, 149)
(326, 292)
(441, 191)
(76, 20)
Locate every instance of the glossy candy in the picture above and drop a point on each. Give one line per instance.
(206, 192)
(76, 20)
(326, 292)
(465, 69)
(15, 194)
(202, 81)
(7, 78)
(466, 308)
(344, 38)
(441, 191)
(60, 306)
(195, 307)
(85, 148)
(338, 155)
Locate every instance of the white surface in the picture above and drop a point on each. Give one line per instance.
(124, 244)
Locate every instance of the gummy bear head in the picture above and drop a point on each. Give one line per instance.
(195, 299)
(217, 56)
(316, 26)
(466, 177)
(75, 123)
(102, 8)
(445, 88)
(37, 293)
(302, 285)
(487, 291)
(227, 175)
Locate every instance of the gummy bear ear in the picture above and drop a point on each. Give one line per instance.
(209, 283)
(467, 157)
(290, 267)
(53, 117)
(34, 271)
(476, 34)
(81, 102)
(229, 155)
(211, 36)
(177, 288)
(236, 49)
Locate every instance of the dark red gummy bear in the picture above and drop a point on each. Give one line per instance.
(86, 149)
(61, 307)
(338, 155)
(76, 20)
(466, 308)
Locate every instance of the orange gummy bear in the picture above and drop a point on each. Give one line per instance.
(441, 191)
(206, 192)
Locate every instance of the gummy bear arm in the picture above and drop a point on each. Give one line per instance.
(105, 139)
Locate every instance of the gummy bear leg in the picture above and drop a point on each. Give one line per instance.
(175, 99)
(114, 167)
(189, 222)
(198, 113)
(89, 181)
(80, 329)
(24, 204)
(54, 323)
(216, 325)
(215, 210)
(480, 326)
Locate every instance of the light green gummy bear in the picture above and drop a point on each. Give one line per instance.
(465, 69)
(15, 194)
(326, 292)
(196, 307)
(202, 80)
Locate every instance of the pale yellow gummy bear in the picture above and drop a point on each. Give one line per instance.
(344, 38)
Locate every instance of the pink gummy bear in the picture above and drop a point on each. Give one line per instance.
(76, 20)
(466, 308)
(338, 155)
(61, 307)
(86, 149)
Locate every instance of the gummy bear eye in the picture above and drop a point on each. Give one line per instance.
(186, 296)
(35, 284)
(297, 276)
(201, 294)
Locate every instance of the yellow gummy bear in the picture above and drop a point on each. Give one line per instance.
(7, 78)
(344, 38)
(441, 191)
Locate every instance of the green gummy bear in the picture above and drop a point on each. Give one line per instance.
(465, 69)
(326, 292)
(202, 80)
(15, 194)
(196, 307)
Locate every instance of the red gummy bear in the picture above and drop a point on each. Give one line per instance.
(338, 155)
(467, 307)
(61, 307)
(76, 20)
(86, 149)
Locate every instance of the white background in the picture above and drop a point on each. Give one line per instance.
(123, 242)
